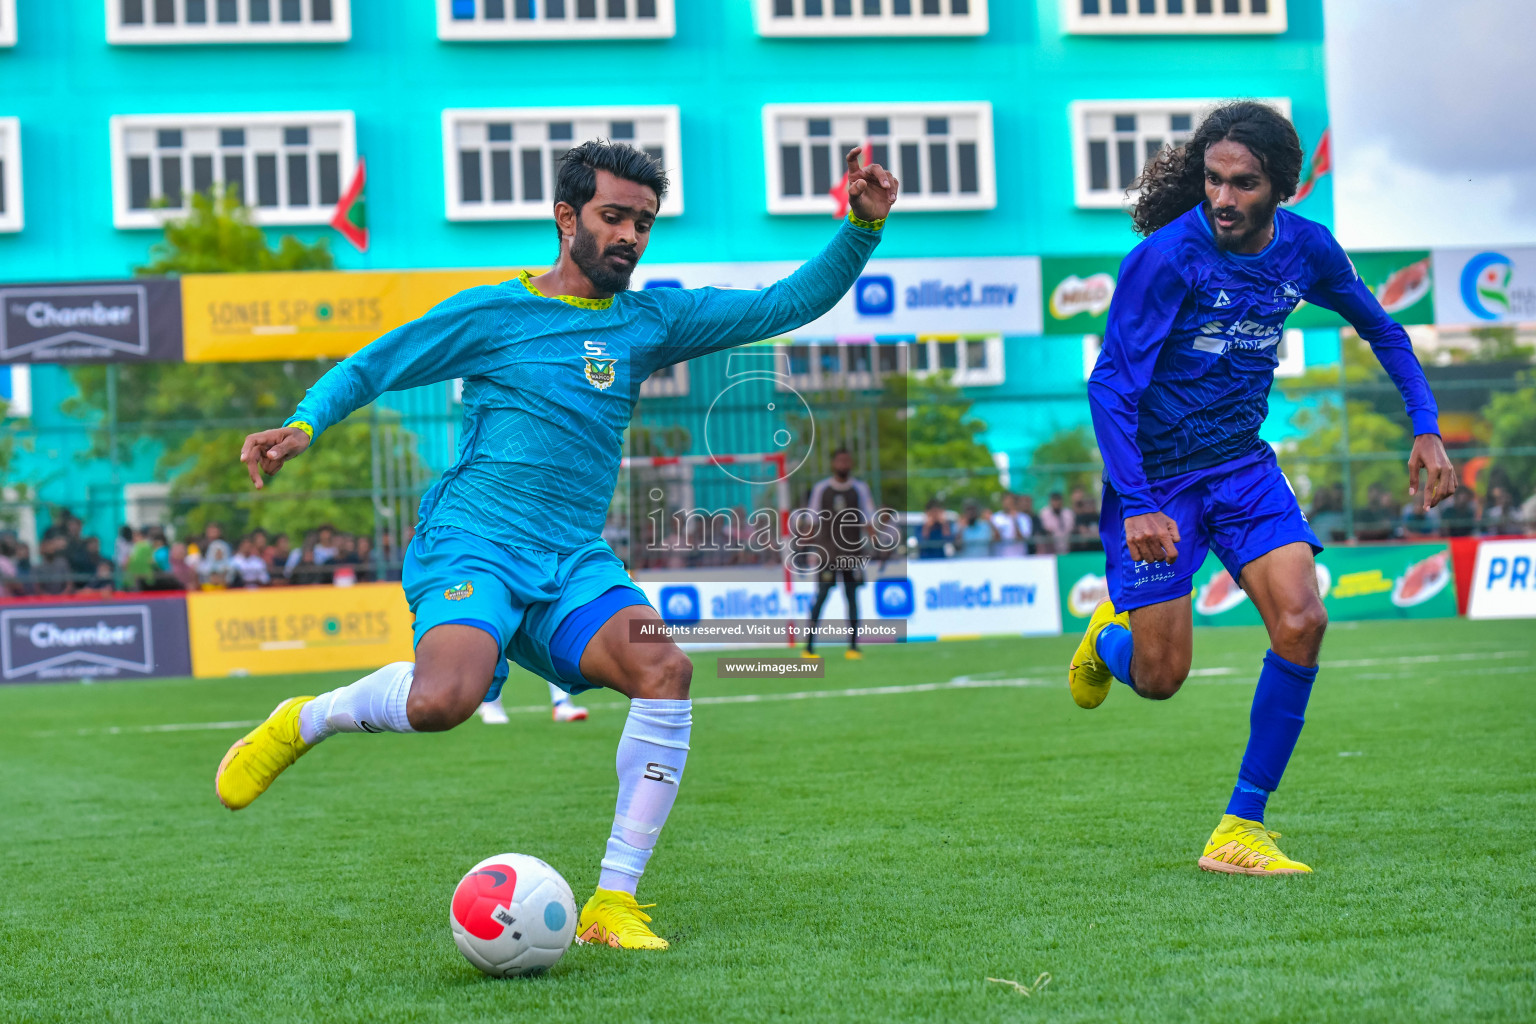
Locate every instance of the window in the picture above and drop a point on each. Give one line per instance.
(1113, 140)
(667, 382)
(555, 19)
(871, 17)
(863, 365)
(10, 174)
(131, 22)
(500, 163)
(941, 152)
(7, 22)
(289, 168)
(1165, 17)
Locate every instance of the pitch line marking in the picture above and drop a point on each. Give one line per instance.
(957, 683)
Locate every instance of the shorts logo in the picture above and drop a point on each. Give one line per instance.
(600, 372)
(460, 591)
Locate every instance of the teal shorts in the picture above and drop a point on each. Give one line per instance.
(521, 598)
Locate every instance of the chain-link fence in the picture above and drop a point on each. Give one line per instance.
(138, 499)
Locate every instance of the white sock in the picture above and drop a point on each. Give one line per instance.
(375, 703)
(557, 695)
(650, 761)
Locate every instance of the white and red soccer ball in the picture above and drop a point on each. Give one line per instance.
(512, 915)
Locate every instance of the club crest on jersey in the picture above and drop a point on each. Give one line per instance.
(460, 591)
(600, 372)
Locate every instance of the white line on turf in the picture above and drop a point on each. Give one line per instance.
(957, 683)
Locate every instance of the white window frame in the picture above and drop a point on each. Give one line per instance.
(990, 373)
(886, 23)
(1135, 23)
(7, 22)
(13, 218)
(667, 382)
(984, 198)
(458, 210)
(337, 30)
(281, 215)
(481, 29)
(1114, 198)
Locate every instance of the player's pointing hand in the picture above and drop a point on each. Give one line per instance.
(871, 190)
(269, 449)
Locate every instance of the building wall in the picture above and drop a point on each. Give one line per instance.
(64, 81)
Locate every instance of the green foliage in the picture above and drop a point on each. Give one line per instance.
(217, 237)
(199, 413)
(1511, 420)
(926, 424)
(1074, 447)
(1498, 345)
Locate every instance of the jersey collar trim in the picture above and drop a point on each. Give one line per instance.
(526, 277)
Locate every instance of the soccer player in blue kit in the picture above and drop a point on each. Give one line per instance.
(508, 560)
(1178, 395)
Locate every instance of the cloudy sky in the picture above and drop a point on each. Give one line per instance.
(1434, 121)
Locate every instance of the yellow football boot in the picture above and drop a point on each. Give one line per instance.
(613, 918)
(1243, 847)
(260, 756)
(1089, 677)
(809, 655)
(852, 655)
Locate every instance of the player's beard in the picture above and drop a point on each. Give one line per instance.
(602, 274)
(1244, 231)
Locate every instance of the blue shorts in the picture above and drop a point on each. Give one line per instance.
(1240, 509)
(542, 608)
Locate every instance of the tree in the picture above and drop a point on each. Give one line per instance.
(925, 424)
(1071, 456)
(1316, 457)
(1511, 419)
(200, 413)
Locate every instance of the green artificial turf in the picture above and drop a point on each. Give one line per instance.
(870, 857)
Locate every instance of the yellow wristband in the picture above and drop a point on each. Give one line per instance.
(301, 425)
(870, 225)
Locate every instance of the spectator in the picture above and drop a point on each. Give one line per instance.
(276, 557)
(1012, 530)
(1058, 523)
(11, 583)
(215, 568)
(367, 570)
(1498, 511)
(53, 570)
(977, 534)
(1085, 514)
(1327, 516)
(936, 537)
(249, 569)
(161, 551)
(307, 572)
(1458, 516)
(82, 553)
(1028, 514)
(139, 569)
(26, 573)
(1378, 519)
(96, 568)
(325, 545)
(1528, 512)
(126, 538)
(183, 569)
(295, 554)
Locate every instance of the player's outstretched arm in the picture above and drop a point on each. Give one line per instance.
(265, 451)
(703, 320)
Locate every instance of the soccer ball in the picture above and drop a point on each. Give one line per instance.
(512, 915)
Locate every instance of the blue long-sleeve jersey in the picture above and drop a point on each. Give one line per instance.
(550, 384)
(1183, 379)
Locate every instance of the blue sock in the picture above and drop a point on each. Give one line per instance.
(1114, 646)
(1274, 724)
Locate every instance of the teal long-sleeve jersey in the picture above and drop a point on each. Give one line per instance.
(550, 383)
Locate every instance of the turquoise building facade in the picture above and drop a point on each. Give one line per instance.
(83, 81)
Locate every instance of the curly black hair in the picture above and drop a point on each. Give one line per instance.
(1173, 182)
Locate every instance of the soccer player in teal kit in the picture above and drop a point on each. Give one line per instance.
(508, 560)
(1178, 395)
